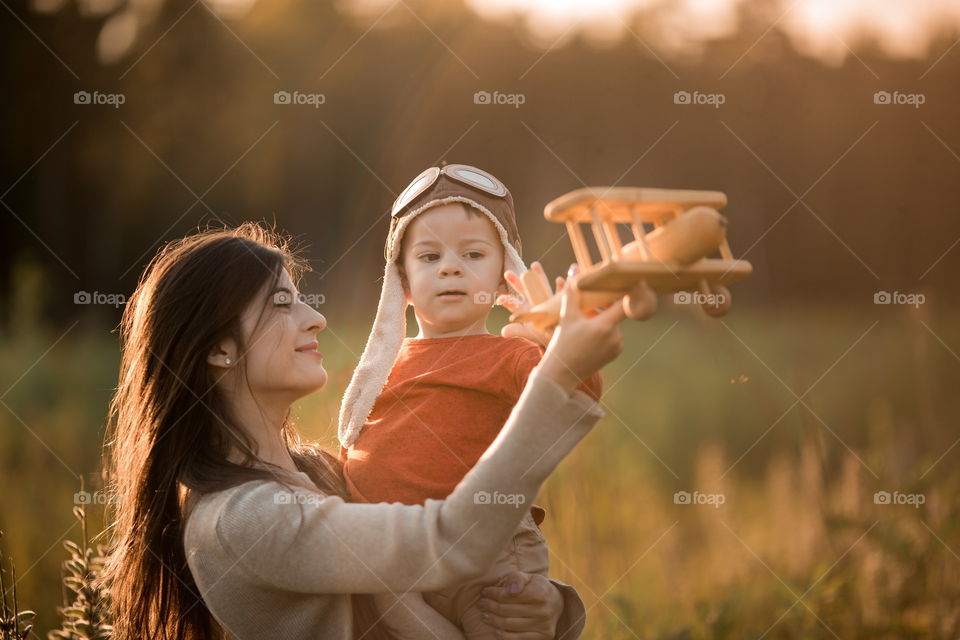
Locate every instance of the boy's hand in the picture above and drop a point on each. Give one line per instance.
(519, 301)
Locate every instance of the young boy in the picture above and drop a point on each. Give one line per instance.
(419, 412)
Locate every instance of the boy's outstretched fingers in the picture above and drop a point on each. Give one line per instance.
(515, 299)
(510, 301)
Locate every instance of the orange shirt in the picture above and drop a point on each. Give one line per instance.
(443, 404)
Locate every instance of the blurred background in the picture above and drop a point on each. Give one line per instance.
(789, 471)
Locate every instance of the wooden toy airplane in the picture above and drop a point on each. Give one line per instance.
(672, 257)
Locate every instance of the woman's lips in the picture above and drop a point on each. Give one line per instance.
(311, 349)
(452, 296)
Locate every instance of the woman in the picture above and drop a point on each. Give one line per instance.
(226, 523)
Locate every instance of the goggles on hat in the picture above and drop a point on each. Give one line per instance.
(462, 173)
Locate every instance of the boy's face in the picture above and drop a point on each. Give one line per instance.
(453, 262)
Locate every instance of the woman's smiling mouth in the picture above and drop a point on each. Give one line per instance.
(310, 348)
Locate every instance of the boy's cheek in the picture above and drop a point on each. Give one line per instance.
(405, 284)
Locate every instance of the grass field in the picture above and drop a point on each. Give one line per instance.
(793, 419)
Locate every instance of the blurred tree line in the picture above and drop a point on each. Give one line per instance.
(90, 191)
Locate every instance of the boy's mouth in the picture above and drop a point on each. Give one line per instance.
(452, 294)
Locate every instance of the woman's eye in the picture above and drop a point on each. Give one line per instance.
(429, 257)
(475, 254)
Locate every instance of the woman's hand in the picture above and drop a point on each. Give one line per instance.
(529, 614)
(581, 344)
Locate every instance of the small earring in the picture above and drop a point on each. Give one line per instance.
(227, 361)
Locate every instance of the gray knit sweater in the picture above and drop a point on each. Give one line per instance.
(276, 560)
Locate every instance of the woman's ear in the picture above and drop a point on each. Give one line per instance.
(223, 355)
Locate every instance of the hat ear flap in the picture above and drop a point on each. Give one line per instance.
(379, 356)
(404, 283)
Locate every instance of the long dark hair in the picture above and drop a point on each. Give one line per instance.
(170, 431)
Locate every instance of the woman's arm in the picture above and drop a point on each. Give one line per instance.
(305, 542)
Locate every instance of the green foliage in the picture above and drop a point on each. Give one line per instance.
(86, 614)
(14, 624)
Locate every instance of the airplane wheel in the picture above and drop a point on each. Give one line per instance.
(721, 302)
(640, 303)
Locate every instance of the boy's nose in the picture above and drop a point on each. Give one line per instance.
(451, 270)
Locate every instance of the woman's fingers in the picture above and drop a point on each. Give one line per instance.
(614, 314)
(570, 303)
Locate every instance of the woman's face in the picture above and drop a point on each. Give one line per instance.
(282, 361)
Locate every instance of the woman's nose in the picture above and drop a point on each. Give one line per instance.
(318, 323)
